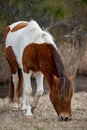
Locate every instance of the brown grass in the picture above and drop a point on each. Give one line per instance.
(45, 117)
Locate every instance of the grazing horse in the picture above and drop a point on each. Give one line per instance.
(29, 49)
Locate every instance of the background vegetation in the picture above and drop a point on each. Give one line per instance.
(62, 17)
(46, 12)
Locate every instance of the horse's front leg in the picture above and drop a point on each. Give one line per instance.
(27, 91)
(39, 92)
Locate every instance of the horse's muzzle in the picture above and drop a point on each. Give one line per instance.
(65, 117)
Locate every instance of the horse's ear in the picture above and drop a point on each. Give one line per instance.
(71, 78)
(56, 79)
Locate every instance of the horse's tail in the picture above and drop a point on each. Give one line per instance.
(64, 80)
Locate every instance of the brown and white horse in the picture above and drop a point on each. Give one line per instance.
(29, 49)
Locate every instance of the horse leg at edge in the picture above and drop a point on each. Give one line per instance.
(39, 92)
(15, 82)
(13, 90)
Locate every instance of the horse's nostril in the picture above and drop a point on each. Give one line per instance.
(63, 118)
(66, 118)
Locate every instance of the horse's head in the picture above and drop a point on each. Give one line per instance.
(62, 101)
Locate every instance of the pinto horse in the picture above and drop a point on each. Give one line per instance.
(29, 49)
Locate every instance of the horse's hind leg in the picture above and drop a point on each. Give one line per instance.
(15, 88)
(27, 90)
(13, 64)
(39, 92)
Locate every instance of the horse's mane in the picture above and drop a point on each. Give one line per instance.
(63, 77)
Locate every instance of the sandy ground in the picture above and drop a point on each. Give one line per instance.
(45, 118)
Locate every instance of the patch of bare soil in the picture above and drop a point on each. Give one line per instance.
(45, 118)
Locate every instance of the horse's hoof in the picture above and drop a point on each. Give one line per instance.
(14, 106)
(29, 114)
(23, 108)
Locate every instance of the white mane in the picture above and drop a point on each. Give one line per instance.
(37, 35)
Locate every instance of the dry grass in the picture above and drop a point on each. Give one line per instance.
(45, 117)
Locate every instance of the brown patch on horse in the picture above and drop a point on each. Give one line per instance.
(5, 33)
(19, 26)
(11, 58)
(39, 59)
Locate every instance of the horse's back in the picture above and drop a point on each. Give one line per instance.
(23, 33)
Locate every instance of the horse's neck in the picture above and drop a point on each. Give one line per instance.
(49, 80)
(49, 75)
